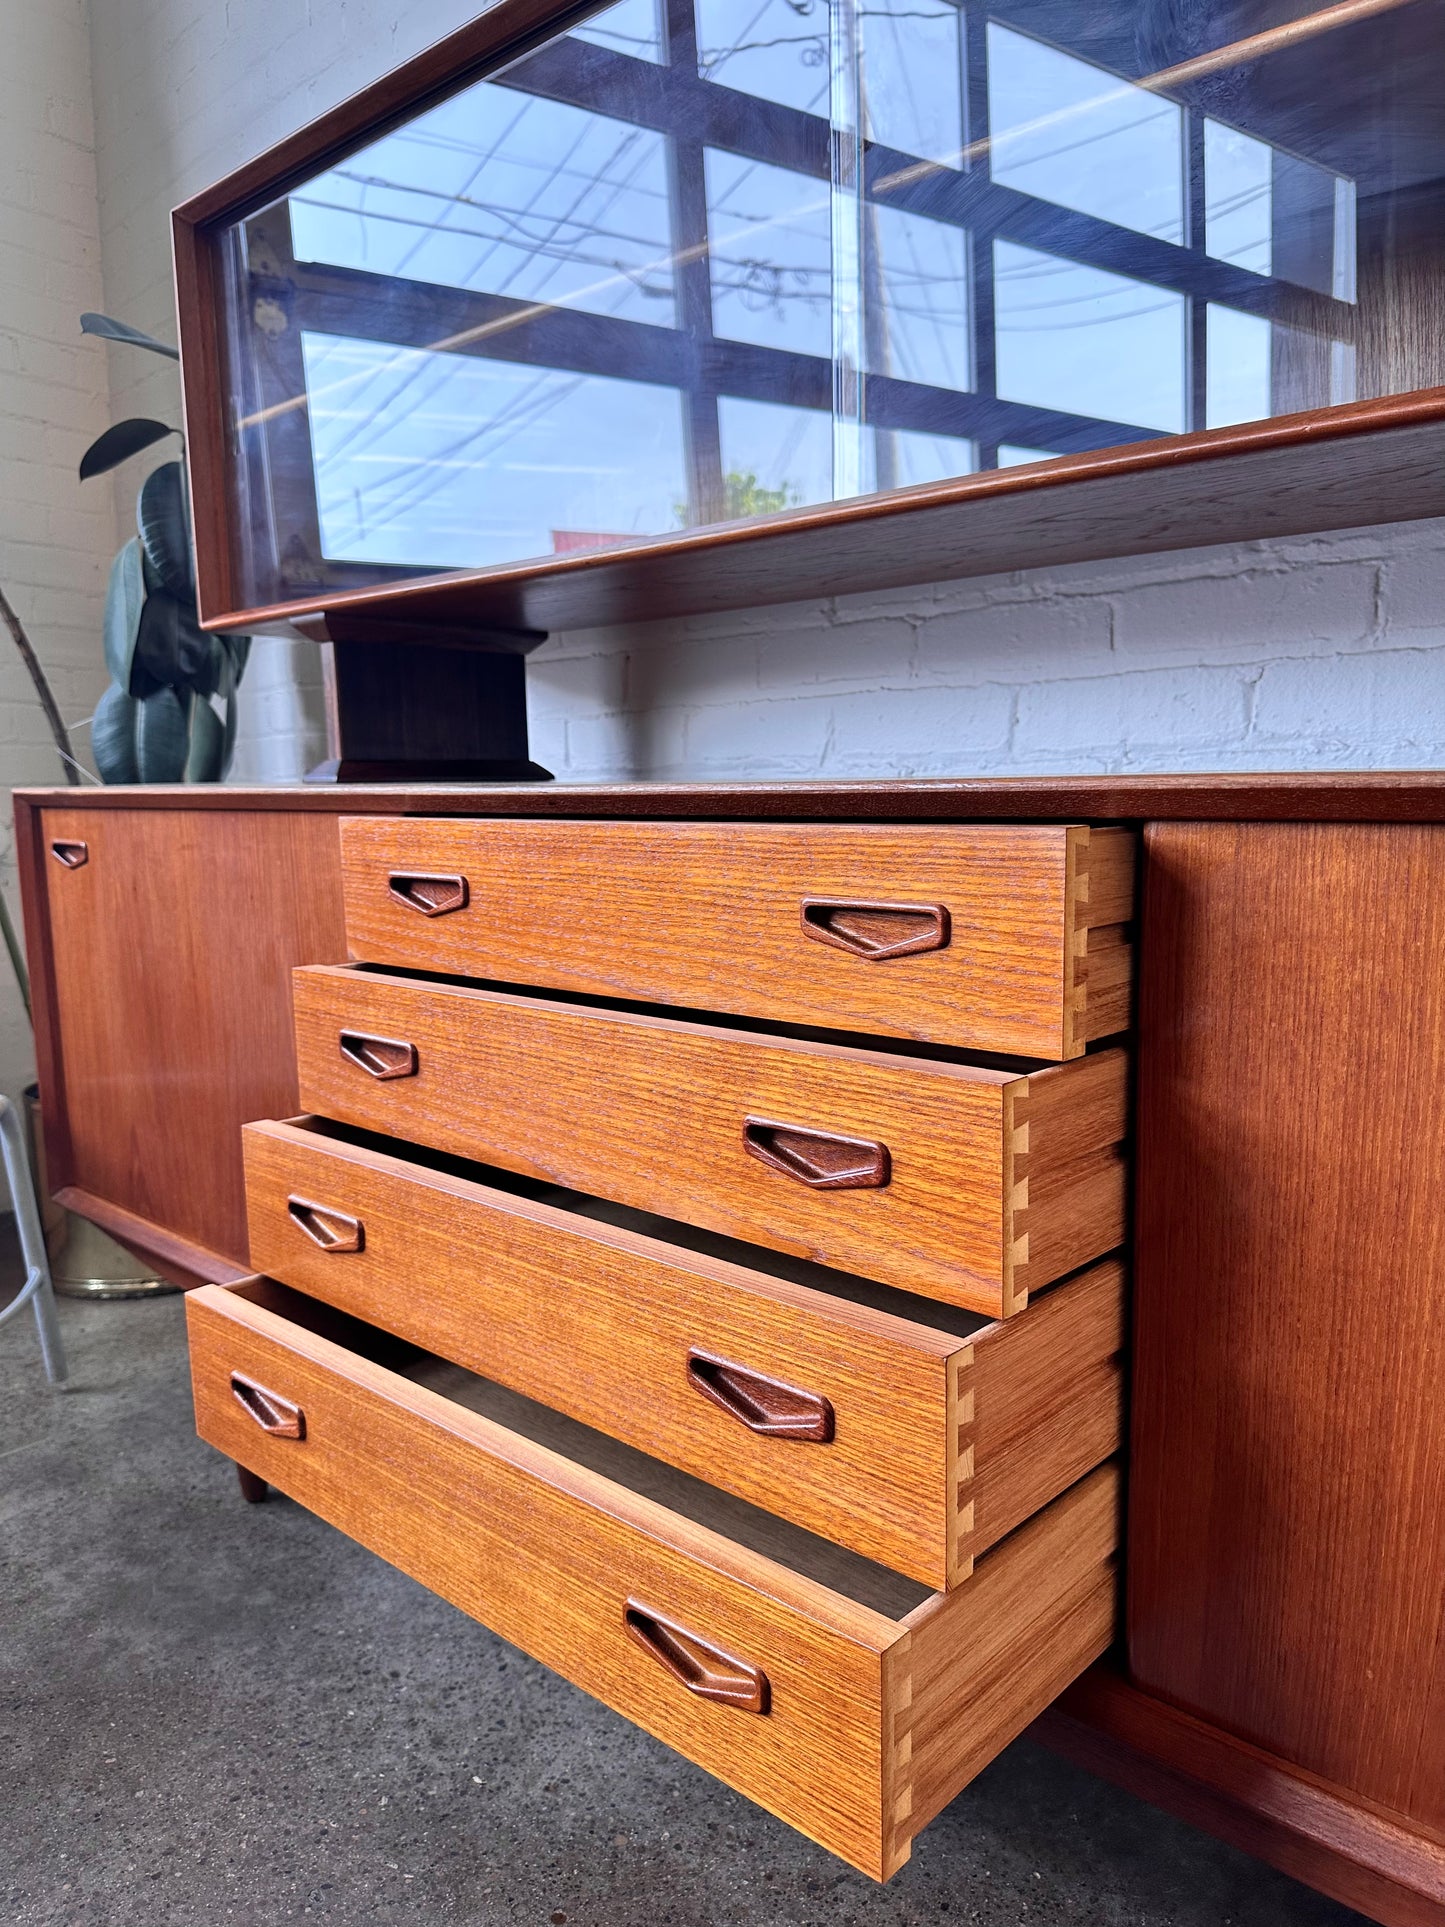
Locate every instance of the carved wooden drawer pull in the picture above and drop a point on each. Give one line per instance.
(821, 1159)
(876, 931)
(379, 1057)
(432, 896)
(331, 1229)
(695, 1663)
(272, 1413)
(70, 853)
(764, 1405)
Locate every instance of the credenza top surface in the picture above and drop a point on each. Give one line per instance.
(1382, 796)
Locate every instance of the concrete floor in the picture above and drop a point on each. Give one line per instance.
(212, 1712)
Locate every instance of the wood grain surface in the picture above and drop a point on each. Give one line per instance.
(548, 1554)
(1311, 1829)
(1335, 796)
(168, 1018)
(1287, 1525)
(600, 1321)
(710, 916)
(651, 1112)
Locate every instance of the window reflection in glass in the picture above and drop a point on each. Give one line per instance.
(451, 461)
(912, 81)
(1238, 198)
(1015, 455)
(631, 27)
(918, 323)
(1257, 367)
(775, 49)
(774, 457)
(1085, 342)
(899, 457)
(771, 254)
(508, 194)
(1068, 132)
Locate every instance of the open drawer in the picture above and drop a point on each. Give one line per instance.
(965, 1182)
(844, 1698)
(915, 1433)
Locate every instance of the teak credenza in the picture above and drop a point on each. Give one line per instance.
(713, 1235)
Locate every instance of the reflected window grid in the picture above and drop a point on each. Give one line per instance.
(593, 248)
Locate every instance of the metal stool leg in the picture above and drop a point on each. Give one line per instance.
(37, 1289)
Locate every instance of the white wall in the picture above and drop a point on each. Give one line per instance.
(55, 536)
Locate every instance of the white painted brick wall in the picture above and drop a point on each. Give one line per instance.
(56, 537)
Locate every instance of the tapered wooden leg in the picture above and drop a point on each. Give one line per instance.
(253, 1488)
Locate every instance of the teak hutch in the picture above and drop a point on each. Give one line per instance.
(844, 1272)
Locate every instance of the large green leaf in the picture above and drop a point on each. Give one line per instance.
(207, 755)
(163, 737)
(110, 330)
(125, 599)
(112, 737)
(118, 444)
(163, 518)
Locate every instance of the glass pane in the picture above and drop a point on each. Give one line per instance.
(774, 457)
(574, 213)
(918, 320)
(913, 77)
(1084, 342)
(631, 27)
(629, 282)
(771, 254)
(777, 49)
(900, 457)
(1258, 367)
(1238, 198)
(454, 460)
(1070, 133)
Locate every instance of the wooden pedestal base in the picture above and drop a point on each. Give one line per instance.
(413, 704)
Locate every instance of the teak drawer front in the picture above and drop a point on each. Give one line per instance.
(938, 1442)
(992, 1182)
(787, 921)
(852, 1724)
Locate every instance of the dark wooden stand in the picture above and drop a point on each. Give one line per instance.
(409, 703)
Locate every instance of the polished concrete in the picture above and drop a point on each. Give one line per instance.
(211, 1712)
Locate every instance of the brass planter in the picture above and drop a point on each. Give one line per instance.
(84, 1261)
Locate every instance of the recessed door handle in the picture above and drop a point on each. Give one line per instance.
(765, 1405)
(877, 931)
(696, 1663)
(379, 1057)
(331, 1229)
(272, 1413)
(432, 896)
(70, 853)
(824, 1160)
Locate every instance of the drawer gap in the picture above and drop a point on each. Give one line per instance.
(953, 1319)
(842, 1571)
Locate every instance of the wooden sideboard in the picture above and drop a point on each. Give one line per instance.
(1281, 1675)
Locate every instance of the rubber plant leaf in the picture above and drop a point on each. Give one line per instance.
(163, 737)
(125, 601)
(118, 444)
(112, 737)
(110, 330)
(163, 518)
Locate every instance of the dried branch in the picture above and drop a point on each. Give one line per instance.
(43, 690)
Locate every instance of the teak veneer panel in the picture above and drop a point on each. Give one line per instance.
(872, 1721)
(944, 1439)
(1037, 961)
(168, 989)
(1000, 1182)
(1287, 1527)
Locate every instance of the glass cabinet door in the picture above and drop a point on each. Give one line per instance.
(694, 261)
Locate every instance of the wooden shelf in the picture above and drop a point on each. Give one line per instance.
(1346, 467)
